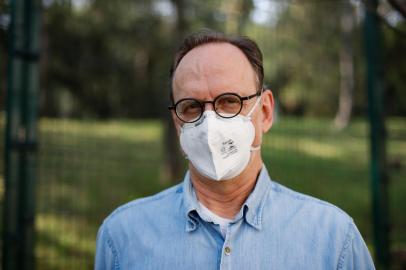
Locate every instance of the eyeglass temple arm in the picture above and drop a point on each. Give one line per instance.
(258, 93)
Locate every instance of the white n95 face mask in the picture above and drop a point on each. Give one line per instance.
(219, 148)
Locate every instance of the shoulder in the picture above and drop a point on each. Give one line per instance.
(146, 208)
(315, 224)
(283, 193)
(308, 214)
(321, 227)
(134, 223)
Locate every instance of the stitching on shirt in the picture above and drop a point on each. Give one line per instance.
(113, 249)
(262, 205)
(347, 243)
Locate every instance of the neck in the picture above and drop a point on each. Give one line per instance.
(225, 198)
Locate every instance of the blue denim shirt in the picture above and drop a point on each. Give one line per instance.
(276, 228)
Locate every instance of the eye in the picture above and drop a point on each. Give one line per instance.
(188, 109)
(228, 100)
(231, 100)
(190, 106)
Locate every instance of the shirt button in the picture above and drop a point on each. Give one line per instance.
(227, 251)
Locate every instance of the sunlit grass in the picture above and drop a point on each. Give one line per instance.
(123, 130)
(307, 146)
(65, 231)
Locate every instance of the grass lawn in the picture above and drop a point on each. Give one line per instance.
(88, 168)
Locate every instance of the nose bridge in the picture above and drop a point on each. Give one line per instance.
(209, 104)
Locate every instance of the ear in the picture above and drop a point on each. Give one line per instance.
(267, 110)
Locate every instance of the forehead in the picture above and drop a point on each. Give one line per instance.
(211, 69)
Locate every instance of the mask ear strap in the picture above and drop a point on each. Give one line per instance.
(255, 105)
(255, 148)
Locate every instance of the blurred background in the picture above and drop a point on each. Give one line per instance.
(84, 125)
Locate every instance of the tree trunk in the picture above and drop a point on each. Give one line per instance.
(346, 67)
(237, 14)
(173, 168)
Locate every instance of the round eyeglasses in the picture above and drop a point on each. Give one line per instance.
(227, 105)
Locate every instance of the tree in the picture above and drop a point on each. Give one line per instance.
(301, 57)
(173, 161)
(345, 101)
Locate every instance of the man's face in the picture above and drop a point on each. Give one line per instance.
(212, 69)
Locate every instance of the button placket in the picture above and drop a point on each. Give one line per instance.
(226, 252)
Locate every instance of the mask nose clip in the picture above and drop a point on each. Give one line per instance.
(199, 122)
(203, 117)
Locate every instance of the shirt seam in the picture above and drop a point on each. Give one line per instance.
(262, 205)
(346, 245)
(113, 249)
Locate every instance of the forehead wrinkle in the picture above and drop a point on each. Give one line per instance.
(189, 77)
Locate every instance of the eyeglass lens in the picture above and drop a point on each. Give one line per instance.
(226, 105)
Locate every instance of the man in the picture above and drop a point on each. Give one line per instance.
(227, 213)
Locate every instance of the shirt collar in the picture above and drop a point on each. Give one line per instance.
(253, 207)
(190, 203)
(251, 210)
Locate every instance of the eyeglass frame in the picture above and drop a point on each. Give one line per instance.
(203, 104)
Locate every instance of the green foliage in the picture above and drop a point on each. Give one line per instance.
(108, 55)
(301, 57)
(395, 70)
(111, 59)
(3, 54)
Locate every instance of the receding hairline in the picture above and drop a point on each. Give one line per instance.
(246, 45)
(209, 45)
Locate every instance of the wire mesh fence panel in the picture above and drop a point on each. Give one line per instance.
(86, 170)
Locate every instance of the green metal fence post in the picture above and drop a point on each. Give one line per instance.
(379, 176)
(21, 135)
